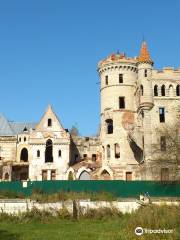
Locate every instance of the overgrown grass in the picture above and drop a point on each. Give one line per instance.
(11, 194)
(40, 196)
(103, 223)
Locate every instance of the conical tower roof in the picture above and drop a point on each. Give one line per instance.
(144, 56)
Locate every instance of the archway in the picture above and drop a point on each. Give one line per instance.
(70, 176)
(105, 175)
(24, 155)
(84, 176)
(49, 151)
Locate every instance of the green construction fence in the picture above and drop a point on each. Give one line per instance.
(122, 189)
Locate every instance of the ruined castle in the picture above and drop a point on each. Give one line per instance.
(139, 131)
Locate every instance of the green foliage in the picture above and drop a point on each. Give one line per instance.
(63, 196)
(10, 194)
(103, 223)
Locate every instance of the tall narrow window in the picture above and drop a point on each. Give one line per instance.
(155, 90)
(44, 174)
(145, 73)
(59, 153)
(117, 150)
(53, 174)
(93, 157)
(120, 78)
(141, 90)
(109, 126)
(49, 151)
(49, 122)
(108, 152)
(106, 79)
(178, 90)
(163, 143)
(38, 153)
(163, 90)
(162, 114)
(121, 102)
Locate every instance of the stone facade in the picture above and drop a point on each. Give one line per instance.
(139, 131)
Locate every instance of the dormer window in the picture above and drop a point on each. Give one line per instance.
(49, 122)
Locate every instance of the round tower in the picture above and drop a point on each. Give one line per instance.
(118, 76)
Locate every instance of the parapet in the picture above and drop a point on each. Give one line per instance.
(117, 58)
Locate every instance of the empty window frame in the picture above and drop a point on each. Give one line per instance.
(163, 90)
(120, 78)
(38, 153)
(116, 150)
(178, 90)
(59, 153)
(162, 114)
(163, 143)
(49, 122)
(108, 152)
(156, 90)
(93, 157)
(44, 174)
(121, 102)
(109, 126)
(141, 90)
(145, 73)
(53, 174)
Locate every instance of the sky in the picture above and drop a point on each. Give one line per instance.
(49, 51)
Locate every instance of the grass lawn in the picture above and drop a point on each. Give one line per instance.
(63, 229)
(95, 226)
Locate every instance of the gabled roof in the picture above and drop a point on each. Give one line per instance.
(20, 127)
(9, 128)
(49, 113)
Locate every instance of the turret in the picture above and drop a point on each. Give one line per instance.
(145, 65)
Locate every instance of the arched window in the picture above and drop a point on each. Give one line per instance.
(24, 139)
(178, 90)
(38, 153)
(163, 90)
(6, 176)
(49, 151)
(171, 91)
(59, 153)
(103, 152)
(155, 90)
(117, 150)
(141, 90)
(109, 124)
(24, 155)
(108, 151)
